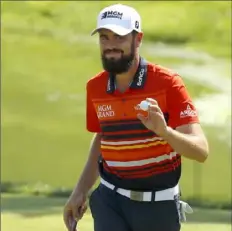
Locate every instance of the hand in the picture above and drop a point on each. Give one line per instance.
(74, 209)
(155, 120)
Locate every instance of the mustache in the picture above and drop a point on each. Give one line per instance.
(108, 51)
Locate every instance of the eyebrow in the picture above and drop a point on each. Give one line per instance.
(102, 35)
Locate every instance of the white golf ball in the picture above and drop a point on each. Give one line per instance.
(144, 105)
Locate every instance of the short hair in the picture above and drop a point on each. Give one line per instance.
(134, 33)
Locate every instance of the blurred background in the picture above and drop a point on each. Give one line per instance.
(47, 57)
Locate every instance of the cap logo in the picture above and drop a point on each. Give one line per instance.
(112, 14)
(137, 25)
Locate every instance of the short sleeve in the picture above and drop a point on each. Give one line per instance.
(92, 122)
(180, 107)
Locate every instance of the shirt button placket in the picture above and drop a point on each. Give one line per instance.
(123, 108)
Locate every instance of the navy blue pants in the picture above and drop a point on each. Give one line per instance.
(114, 212)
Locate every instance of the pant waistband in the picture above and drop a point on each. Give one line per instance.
(163, 195)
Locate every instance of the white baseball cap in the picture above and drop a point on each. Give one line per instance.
(120, 19)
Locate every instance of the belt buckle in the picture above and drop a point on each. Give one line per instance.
(137, 196)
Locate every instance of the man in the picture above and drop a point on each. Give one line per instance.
(137, 153)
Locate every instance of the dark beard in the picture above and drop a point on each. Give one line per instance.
(119, 66)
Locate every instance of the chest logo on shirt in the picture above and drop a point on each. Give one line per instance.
(104, 111)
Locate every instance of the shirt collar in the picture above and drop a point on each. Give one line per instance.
(138, 80)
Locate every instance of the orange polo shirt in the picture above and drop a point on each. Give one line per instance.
(132, 156)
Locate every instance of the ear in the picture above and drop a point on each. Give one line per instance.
(139, 38)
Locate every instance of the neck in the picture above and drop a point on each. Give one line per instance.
(123, 80)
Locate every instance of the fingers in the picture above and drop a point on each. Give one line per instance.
(77, 213)
(82, 210)
(74, 225)
(72, 216)
(74, 210)
(68, 218)
(142, 118)
(154, 109)
(152, 101)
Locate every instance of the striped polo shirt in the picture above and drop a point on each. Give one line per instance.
(133, 157)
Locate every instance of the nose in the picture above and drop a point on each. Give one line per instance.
(110, 44)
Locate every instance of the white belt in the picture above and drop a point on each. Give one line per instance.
(163, 195)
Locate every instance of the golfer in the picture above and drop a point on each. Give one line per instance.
(136, 152)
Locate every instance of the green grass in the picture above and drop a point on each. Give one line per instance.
(44, 72)
(54, 223)
(203, 24)
(38, 213)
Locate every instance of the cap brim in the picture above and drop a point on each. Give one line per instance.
(115, 28)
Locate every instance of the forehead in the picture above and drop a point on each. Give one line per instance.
(110, 33)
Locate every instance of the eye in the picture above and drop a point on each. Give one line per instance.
(118, 37)
(103, 37)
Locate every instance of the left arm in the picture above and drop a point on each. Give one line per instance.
(189, 141)
(183, 131)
